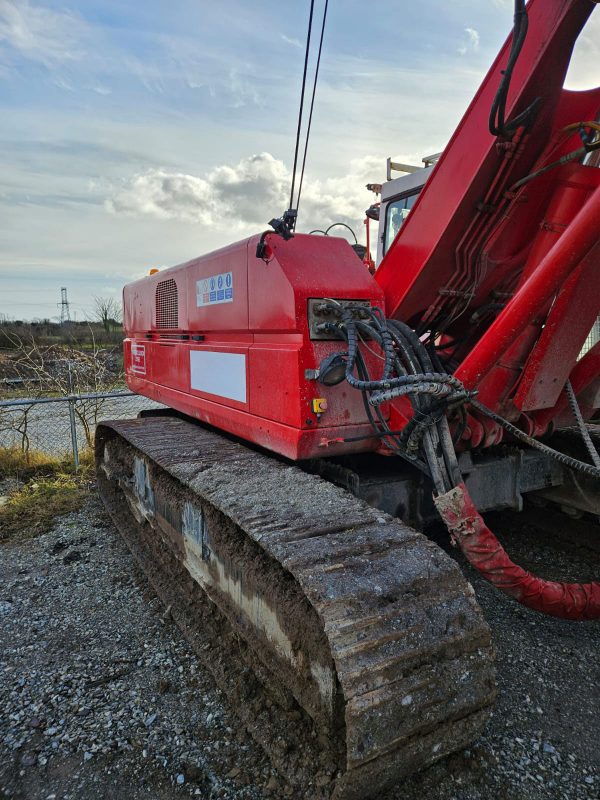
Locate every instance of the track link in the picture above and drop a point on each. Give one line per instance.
(351, 646)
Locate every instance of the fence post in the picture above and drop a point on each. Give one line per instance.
(73, 433)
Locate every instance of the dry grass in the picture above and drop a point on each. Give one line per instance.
(15, 463)
(44, 487)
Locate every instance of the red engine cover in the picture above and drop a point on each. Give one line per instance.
(225, 338)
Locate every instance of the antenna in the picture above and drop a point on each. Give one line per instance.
(65, 314)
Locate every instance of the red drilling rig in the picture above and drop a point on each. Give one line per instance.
(317, 416)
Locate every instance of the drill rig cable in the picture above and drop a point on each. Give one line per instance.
(575, 155)
(341, 225)
(449, 461)
(391, 437)
(312, 103)
(517, 433)
(299, 129)
(585, 434)
(418, 362)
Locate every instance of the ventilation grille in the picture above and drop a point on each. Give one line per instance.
(166, 304)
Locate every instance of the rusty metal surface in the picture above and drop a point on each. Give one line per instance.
(360, 627)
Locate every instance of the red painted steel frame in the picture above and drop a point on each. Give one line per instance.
(568, 252)
(420, 259)
(472, 244)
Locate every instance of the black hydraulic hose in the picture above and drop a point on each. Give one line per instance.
(441, 425)
(415, 378)
(435, 438)
(387, 383)
(497, 123)
(391, 440)
(419, 387)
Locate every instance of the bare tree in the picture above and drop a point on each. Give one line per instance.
(14, 424)
(50, 369)
(107, 311)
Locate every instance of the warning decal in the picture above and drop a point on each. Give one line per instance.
(215, 289)
(138, 358)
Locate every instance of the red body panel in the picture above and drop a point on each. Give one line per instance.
(245, 370)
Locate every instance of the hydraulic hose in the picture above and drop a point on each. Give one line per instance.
(576, 601)
(409, 370)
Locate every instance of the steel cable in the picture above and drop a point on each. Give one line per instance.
(585, 434)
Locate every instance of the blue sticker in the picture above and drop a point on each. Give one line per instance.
(221, 289)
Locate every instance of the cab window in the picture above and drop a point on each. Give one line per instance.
(395, 214)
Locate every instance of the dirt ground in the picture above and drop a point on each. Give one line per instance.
(100, 696)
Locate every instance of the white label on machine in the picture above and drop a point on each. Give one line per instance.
(138, 359)
(215, 289)
(223, 374)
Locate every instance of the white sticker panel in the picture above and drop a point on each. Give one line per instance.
(138, 358)
(223, 374)
(214, 290)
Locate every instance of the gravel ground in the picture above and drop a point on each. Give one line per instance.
(101, 697)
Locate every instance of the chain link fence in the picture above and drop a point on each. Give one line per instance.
(66, 425)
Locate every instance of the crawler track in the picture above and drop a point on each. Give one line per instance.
(351, 647)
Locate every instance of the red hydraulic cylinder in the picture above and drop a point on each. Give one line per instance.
(531, 297)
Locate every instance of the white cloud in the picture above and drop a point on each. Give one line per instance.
(471, 41)
(40, 34)
(244, 196)
(583, 71)
(289, 40)
(243, 90)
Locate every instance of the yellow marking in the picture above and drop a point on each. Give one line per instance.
(319, 405)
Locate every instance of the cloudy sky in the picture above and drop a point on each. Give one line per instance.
(136, 135)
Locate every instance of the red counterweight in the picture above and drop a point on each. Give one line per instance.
(226, 338)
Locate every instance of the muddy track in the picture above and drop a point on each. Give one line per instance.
(368, 639)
